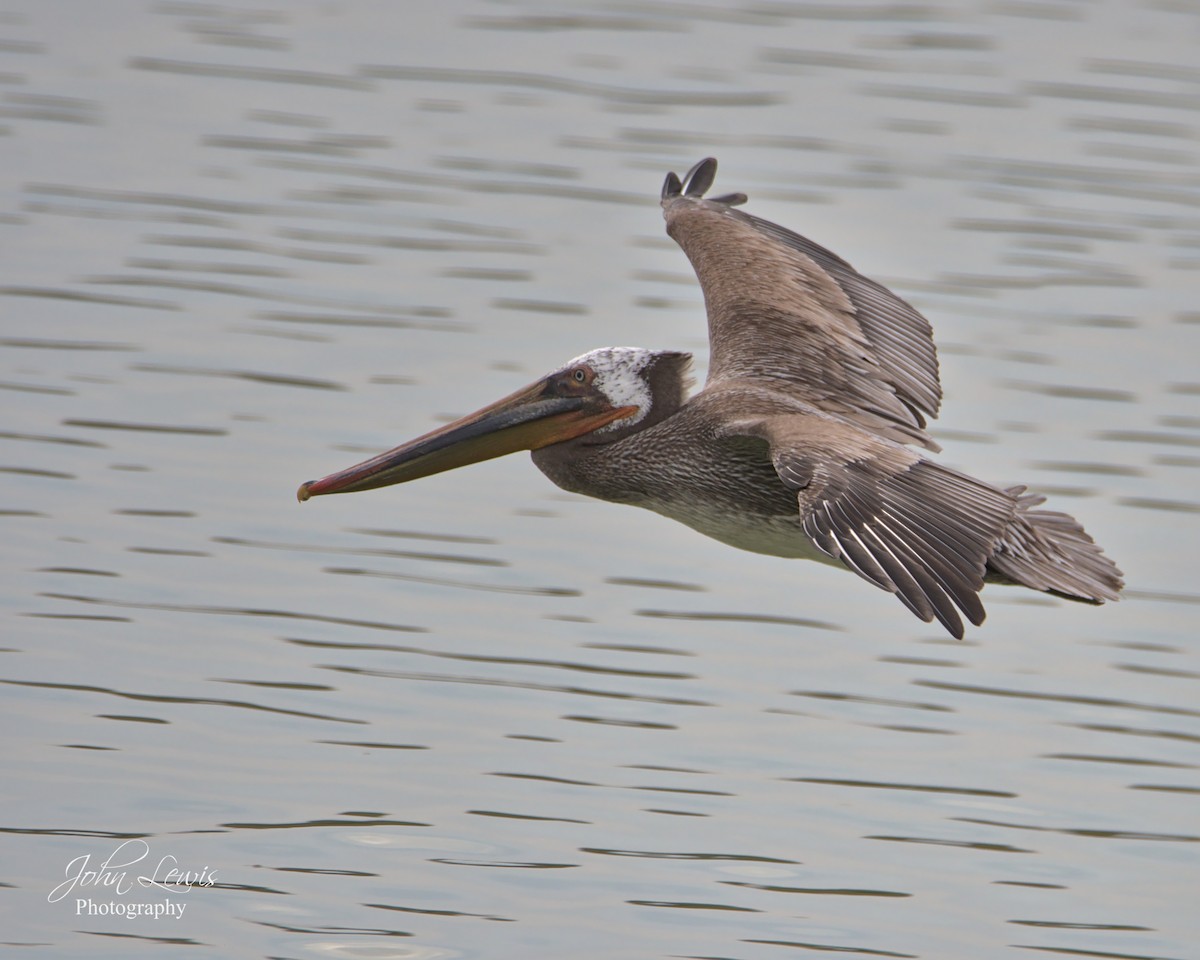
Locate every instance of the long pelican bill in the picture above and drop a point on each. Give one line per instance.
(525, 420)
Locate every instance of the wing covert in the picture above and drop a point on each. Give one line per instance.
(782, 307)
(904, 523)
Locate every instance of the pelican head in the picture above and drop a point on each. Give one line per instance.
(602, 396)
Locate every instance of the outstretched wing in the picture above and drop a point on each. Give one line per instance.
(904, 523)
(782, 307)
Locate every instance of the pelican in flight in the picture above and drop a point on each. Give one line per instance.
(801, 443)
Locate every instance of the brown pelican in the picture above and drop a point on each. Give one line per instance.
(801, 442)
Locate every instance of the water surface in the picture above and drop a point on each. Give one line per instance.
(478, 717)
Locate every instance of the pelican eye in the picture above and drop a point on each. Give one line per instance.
(579, 375)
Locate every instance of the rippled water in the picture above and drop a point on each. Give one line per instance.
(244, 245)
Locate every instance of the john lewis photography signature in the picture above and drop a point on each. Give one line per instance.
(116, 876)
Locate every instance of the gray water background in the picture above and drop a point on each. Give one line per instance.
(242, 245)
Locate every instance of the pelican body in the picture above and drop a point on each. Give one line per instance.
(807, 440)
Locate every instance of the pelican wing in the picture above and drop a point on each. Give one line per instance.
(782, 307)
(902, 522)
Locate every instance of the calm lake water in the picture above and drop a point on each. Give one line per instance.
(247, 244)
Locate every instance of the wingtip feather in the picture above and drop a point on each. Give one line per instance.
(700, 178)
